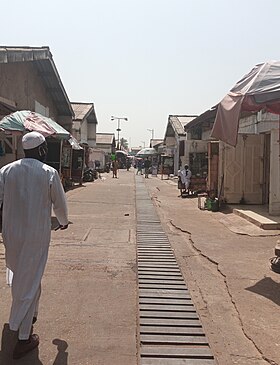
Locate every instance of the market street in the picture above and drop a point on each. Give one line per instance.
(89, 306)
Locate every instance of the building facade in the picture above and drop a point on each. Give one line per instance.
(30, 81)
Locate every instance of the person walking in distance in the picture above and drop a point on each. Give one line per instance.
(147, 165)
(115, 167)
(184, 176)
(139, 167)
(28, 190)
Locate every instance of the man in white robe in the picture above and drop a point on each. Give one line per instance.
(28, 190)
(184, 179)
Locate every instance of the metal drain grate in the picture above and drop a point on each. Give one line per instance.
(170, 330)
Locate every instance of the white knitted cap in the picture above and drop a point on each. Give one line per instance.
(32, 140)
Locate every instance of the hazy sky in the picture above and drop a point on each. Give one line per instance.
(146, 59)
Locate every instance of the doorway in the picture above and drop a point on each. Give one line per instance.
(243, 170)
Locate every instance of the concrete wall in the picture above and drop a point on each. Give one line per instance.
(170, 141)
(274, 191)
(21, 83)
(260, 123)
(87, 132)
(194, 146)
(91, 137)
(105, 147)
(76, 135)
(84, 132)
(206, 135)
(172, 144)
(96, 154)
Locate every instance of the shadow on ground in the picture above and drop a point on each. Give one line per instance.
(75, 186)
(62, 355)
(8, 342)
(267, 288)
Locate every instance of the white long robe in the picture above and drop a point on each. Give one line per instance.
(185, 176)
(28, 189)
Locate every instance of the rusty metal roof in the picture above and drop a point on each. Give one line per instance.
(84, 110)
(42, 58)
(207, 116)
(176, 123)
(156, 141)
(105, 138)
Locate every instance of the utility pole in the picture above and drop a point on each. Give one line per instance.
(151, 130)
(118, 129)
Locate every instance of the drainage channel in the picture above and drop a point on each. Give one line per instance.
(170, 330)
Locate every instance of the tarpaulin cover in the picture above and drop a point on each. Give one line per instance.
(25, 120)
(120, 151)
(259, 89)
(146, 152)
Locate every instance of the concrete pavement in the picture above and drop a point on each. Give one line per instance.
(89, 304)
(88, 308)
(226, 265)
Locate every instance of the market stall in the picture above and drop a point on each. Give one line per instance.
(152, 154)
(60, 142)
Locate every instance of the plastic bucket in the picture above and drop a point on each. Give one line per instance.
(215, 205)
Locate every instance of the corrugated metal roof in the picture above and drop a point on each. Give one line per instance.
(179, 121)
(186, 119)
(135, 149)
(84, 110)
(176, 123)
(105, 138)
(23, 54)
(208, 116)
(156, 141)
(42, 58)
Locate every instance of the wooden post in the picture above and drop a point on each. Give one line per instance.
(60, 157)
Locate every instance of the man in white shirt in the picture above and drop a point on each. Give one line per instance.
(28, 190)
(184, 176)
